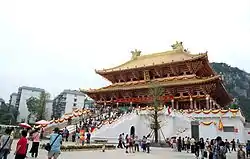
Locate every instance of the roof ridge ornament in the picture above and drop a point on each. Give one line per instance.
(135, 54)
(178, 46)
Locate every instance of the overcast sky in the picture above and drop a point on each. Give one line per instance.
(57, 44)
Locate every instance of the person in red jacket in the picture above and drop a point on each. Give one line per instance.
(21, 147)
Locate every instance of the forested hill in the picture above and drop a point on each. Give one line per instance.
(237, 83)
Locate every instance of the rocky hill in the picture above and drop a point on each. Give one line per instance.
(237, 83)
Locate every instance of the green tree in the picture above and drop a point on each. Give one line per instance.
(8, 114)
(156, 92)
(234, 106)
(37, 106)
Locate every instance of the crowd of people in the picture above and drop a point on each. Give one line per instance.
(133, 144)
(22, 145)
(212, 149)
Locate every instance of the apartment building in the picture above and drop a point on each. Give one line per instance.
(67, 101)
(13, 98)
(2, 101)
(24, 93)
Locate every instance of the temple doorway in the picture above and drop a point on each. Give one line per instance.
(132, 131)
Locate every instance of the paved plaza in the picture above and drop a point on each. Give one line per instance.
(157, 153)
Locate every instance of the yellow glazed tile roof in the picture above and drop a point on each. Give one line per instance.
(166, 82)
(155, 59)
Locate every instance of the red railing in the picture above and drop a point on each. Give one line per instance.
(142, 99)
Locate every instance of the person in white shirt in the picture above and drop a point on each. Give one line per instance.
(192, 143)
(137, 144)
(123, 140)
(185, 143)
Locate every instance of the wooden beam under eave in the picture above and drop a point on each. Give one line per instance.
(172, 70)
(123, 77)
(158, 72)
(197, 66)
(136, 75)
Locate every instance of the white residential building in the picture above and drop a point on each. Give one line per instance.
(48, 109)
(2, 101)
(67, 101)
(13, 98)
(24, 93)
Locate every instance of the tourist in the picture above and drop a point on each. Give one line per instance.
(227, 145)
(248, 148)
(196, 148)
(73, 136)
(35, 143)
(5, 144)
(123, 140)
(185, 143)
(55, 142)
(238, 142)
(131, 144)
(144, 142)
(210, 150)
(174, 144)
(202, 147)
(42, 132)
(88, 137)
(66, 134)
(179, 143)
(192, 144)
(127, 143)
(120, 142)
(137, 143)
(21, 147)
(219, 149)
(207, 143)
(241, 153)
(188, 145)
(148, 144)
(233, 145)
(77, 138)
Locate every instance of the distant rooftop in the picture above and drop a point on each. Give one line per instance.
(32, 88)
(68, 91)
(13, 94)
(2, 100)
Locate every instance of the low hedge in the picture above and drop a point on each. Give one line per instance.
(85, 147)
(101, 141)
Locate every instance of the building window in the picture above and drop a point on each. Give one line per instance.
(74, 104)
(228, 128)
(75, 99)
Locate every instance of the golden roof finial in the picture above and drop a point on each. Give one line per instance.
(178, 46)
(135, 54)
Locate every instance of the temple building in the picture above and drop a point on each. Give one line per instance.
(188, 81)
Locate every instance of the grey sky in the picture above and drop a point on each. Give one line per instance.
(57, 44)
